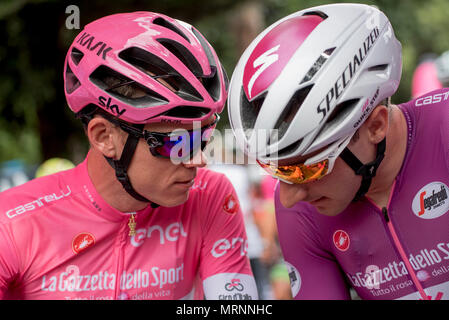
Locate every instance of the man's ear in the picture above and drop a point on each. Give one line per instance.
(377, 124)
(105, 137)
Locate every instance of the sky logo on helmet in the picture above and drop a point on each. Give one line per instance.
(342, 82)
(107, 104)
(88, 41)
(431, 201)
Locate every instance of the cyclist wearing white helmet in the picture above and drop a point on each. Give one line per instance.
(362, 197)
(89, 232)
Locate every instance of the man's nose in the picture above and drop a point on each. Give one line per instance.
(290, 194)
(198, 160)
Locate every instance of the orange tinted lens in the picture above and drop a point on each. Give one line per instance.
(298, 173)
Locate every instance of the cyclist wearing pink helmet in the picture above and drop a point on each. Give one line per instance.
(90, 232)
(362, 199)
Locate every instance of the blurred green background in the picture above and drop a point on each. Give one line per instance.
(35, 122)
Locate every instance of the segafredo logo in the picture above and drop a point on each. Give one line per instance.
(431, 201)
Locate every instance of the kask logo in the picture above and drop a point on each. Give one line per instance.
(431, 201)
(341, 240)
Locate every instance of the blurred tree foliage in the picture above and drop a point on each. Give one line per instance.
(35, 123)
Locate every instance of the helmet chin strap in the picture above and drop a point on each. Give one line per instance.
(367, 171)
(121, 166)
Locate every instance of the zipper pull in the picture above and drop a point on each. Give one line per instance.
(385, 212)
(132, 225)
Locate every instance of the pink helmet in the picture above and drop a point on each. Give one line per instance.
(168, 62)
(425, 79)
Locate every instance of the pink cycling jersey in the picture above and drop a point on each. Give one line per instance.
(397, 252)
(60, 240)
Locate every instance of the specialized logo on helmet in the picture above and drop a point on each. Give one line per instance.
(431, 201)
(348, 73)
(274, 51)
(86, 40)
(264, 61)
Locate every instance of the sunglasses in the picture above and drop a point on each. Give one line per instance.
(312, 169)
(180, 144)
(297, 173)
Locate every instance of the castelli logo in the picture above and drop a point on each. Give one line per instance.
(82, 241)
(431, 201)
(231, 205)
(341, 240)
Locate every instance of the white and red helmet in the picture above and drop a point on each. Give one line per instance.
(314, 76)
(136, 49)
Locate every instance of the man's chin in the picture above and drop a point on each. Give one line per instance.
(173, 201)
(328, 210)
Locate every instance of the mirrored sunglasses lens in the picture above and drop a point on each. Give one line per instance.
(298, 173)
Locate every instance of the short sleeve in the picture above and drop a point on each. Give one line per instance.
(225, 268)
(314, 273)
(8, 263)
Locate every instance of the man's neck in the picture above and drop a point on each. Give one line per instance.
(382, 184)
(108, 187)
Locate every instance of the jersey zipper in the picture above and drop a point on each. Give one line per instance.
(397, 243)
(123, 235)
(403, 255)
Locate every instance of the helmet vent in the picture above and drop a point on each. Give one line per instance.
(205, 46)
(164, 23)
(161, 71)
(288, 150)
(72, 83)
(380, 67)
(317, 65)
(341, 111)
(316, 13)
(183, 55)
(291, 110)
(76, 55)
(250, 110)
(186, 112)
(212, 84)
(125, 89)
